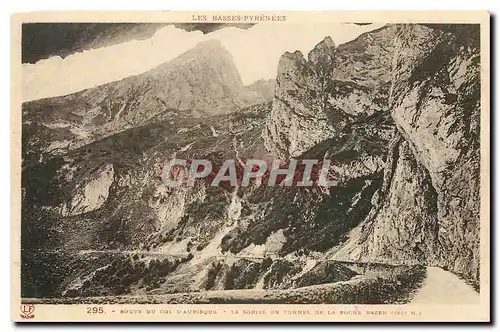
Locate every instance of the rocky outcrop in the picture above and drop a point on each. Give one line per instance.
(427, 78)
(403, 226)
(91, 195)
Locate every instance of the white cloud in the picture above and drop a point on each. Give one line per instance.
(256, 52)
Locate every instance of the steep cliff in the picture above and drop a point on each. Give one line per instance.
(202, 81)
(427, 78)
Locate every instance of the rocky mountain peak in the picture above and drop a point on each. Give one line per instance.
(396, 111)
(213, 45)
(322, 51)
(291, 56)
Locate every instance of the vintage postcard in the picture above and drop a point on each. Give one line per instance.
(250, 166)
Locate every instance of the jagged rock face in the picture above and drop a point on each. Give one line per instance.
(265, 88)
(317, 98)
(427, 207)
(297, 120)
(313, 220)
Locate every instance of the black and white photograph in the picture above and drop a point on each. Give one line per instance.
(254, 161)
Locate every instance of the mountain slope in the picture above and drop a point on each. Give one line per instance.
(427, 78)
(202, 81)
(443, 287)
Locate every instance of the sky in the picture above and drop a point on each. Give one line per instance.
(256, 52)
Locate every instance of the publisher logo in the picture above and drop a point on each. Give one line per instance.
(27, 311)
